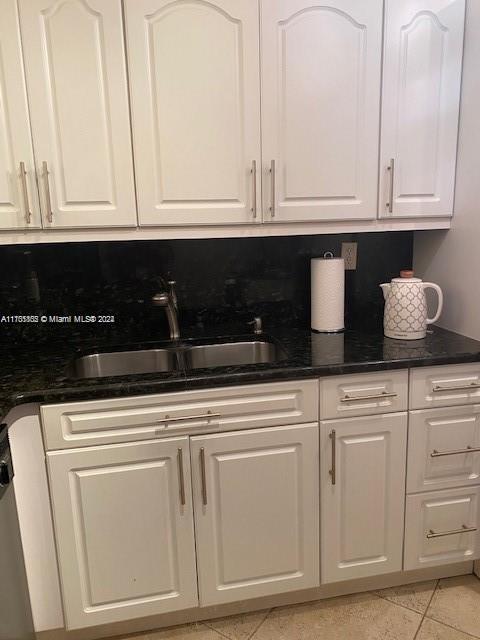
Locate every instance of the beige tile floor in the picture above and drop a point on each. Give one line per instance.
(446, 609)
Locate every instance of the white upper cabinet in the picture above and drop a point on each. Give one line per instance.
(421, 94)
(195, 93)
(77, 88)
(19, 206)
(320, 108)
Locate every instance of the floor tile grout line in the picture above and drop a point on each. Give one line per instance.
(426, 609)
(397, 604)
(260, 624)
(449, 626)
(223, 635)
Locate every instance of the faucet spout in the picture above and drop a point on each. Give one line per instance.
(168, 301)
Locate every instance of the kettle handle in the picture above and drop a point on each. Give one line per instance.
(431, 285)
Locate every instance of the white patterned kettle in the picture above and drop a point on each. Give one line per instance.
(405, 315)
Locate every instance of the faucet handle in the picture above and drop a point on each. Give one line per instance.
(256, 323)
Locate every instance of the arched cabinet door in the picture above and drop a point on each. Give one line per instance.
(77, 87)
(18, 189)
(320, 108)
(195, 94)
(421, 96)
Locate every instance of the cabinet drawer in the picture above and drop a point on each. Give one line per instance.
(445, 386)
(442, 527)
(82, 424)
(363, 394)
(444, 448)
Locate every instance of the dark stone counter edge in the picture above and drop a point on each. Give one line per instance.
(202, 380)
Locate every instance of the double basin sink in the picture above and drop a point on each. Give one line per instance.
(177, 357)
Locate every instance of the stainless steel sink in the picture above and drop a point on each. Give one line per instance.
(175, 358)
(122, 363)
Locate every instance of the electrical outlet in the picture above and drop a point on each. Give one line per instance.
(349, 254)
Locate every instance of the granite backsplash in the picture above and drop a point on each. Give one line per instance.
(217, 280)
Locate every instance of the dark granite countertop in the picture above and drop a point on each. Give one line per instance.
(39, 373)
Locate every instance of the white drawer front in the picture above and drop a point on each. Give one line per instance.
(82, 424)
(363, 394)
(444, 386)
(443, 448)
(441, 527)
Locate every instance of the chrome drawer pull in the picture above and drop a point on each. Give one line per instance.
(464, 387)
(204, 476)
(454, 452)
(200, 416)
(272, 174)
(181, 476)
(333, 471)
(454, 532)
(379, 396)
(48, 201)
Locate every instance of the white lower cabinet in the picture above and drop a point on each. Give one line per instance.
(256, 512)
(362, 495)
(442, 527)
(125, 541)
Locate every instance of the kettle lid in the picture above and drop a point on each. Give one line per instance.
(407, 276)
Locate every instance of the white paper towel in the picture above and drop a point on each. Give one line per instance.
(328, 294)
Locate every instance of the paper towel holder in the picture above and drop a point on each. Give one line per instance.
(336, 324)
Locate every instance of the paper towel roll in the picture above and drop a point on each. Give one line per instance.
(328, 294)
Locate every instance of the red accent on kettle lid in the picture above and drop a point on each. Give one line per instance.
(406, 273)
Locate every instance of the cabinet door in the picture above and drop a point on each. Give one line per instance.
(362, 495)
(195, 91)
(124, 528)
(320, 108)
(76, 81)
(256, 512)
(420, 102)
(19, 206)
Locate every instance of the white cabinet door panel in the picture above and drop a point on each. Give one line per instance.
(125, 542)
(76, 81)
(442, 527)
(19, 206)
(256, 512)
(420, 104)
(362, 502)
(320, 108)
(438, 448)
(195, 91)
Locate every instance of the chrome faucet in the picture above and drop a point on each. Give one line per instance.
(168, 300)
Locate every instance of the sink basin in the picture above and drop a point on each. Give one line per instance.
(122, 363)
(176, 358)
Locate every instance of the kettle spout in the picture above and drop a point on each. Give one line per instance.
(385, 288)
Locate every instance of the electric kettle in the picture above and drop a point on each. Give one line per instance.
(405, 315)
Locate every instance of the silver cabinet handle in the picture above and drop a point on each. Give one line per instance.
(181, 476)
(272, 174)
(200, 416)
(377, 396)
(48, 201)
(453, 532)
(23, 178)
(454, 452)
(204, 475)
(391, 169)
(333, 470)
(464, 387)
(254, 189)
